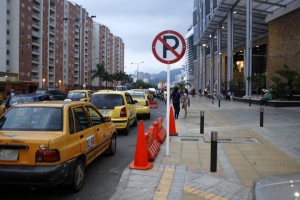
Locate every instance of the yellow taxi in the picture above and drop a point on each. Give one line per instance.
(119, 106)
(142, 105)
(79, 95)
(48, 143)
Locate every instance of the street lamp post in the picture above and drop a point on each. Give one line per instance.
(80, 25)
(137, 69)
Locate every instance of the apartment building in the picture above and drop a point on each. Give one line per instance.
(49, 43)
(108, 50)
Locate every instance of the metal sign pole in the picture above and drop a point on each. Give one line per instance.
(168, 107)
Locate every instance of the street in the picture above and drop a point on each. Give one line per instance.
(102, 176)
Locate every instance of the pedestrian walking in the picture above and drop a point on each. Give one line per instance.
(185, 100)
(175, 96)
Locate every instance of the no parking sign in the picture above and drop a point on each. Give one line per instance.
(168, 47)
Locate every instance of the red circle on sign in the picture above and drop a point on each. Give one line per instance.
(177, 55)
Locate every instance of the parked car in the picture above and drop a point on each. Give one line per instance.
(142, 105)
(25, 98)
(79, 95)
(55, 94)
(286, 186)
(117, 105)
(49, 143)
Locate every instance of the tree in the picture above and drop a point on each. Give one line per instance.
(99, 72)
(285, 82)
(182, 84)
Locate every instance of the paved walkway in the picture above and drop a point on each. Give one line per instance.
(246, 152)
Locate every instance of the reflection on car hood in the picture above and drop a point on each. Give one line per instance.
(278, 187)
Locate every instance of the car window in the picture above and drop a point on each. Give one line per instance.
(81, 120)
(71, 122)
(41, 92)
(76, 95)
(107, 101)
(32, 119)
(129, 99)
(94, 115)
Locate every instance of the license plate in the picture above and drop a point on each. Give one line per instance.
(104, 112)
(9, 154)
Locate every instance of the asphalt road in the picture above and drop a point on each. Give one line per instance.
(102, 176)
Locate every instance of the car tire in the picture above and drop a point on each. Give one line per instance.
(78, 176)
(112, 146)
(148, 116)
(135, 121)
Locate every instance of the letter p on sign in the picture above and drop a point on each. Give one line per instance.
(168, 47)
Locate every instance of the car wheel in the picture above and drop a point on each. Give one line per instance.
(135, 122)
(148, 116)
(78, 176)
(113, 146)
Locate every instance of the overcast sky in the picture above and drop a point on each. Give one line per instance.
(137, 22)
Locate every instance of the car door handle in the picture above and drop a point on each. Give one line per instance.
(98, 129)
(81, 136)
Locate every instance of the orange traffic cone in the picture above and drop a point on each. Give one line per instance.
(141, 156)
(172, 123)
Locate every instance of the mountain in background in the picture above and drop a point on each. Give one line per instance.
(162, 76)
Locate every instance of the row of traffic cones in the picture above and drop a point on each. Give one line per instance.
(141, 160)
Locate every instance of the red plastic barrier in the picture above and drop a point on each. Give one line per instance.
(162, 132)
(151, 150)
(155, 143)
(153, 104)
(156, 133)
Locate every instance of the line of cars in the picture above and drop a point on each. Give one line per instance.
(47, 143)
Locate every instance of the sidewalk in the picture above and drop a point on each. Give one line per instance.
(246, 152)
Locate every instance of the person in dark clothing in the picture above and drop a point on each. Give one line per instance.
(175, 96)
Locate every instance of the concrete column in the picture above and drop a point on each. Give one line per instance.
(198, 68)
(249, 49)
(211, 73)
(229, 48)
(203, 67)
(203, 16)
(219, 56)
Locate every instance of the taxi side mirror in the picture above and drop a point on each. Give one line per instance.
(107, 119)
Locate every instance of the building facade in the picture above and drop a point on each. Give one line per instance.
(51, 43)
(241, 38)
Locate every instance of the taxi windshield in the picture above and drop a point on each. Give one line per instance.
(107, 101)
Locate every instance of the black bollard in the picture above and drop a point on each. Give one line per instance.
(261, 116)
(250, 102)
(201, 122)
(213, 151)
(219, 102)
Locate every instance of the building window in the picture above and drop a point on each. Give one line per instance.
(22, 24)
(7, 62)
(7, 52)
(8, 12)
(7, 32)
(7, 22)
(7, 42)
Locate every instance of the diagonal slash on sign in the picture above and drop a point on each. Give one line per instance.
(168, 46)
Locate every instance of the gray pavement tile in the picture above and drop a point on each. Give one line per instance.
(175, 194)
(133, 194)
(142, 184)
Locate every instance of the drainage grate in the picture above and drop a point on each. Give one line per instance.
(189, 139)
(245, 140)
